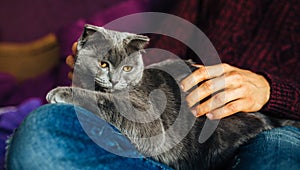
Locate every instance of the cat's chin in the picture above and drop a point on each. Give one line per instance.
(109, 90)
(103, 89)
(106, 90)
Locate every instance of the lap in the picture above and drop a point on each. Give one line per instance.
(52, 137)
(274, 149)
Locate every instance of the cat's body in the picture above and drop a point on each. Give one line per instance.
(140, 111)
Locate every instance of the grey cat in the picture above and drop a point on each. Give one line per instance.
(145, 103)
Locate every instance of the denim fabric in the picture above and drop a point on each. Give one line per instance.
(10, 119)
(51, 137)
(276, 149)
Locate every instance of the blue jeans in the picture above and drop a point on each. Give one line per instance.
(52, 137)
(276, 149)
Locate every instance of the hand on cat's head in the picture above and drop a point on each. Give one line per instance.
(70, 60)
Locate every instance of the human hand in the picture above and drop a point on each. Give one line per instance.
(70, 60)
(229, 90)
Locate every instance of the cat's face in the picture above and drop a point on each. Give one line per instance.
(113, 58)
(111, 76)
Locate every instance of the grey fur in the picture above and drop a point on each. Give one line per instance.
(118, 48)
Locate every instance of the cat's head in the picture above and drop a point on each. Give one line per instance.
(114, 58)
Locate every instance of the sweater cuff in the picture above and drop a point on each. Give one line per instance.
(282, 101)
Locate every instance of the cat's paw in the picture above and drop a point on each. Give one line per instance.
(60, 95)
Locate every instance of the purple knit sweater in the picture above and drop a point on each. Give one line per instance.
(262, 36)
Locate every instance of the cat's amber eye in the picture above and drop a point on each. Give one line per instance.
(103, 64)
(127, 68)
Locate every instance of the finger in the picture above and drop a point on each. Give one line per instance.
(209, 87)
(197, 65)
(74, 47)
(205, 89)
(229, 109)
(218, 100)
(70, 61)
(70, 75)
(202, 74)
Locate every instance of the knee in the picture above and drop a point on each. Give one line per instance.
(45, 114)
(31, 142)
(287, 136)
(278, 148)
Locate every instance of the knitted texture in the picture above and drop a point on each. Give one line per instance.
(262, 36)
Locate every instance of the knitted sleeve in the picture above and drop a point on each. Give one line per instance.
(284, 98)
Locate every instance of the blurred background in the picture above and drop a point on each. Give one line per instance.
(35, 38)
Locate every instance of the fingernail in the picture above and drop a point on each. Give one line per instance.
(196, 65)
(194, 112)
(209, 116)
(182, 87)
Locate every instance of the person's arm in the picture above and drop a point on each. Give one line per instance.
(284, 98)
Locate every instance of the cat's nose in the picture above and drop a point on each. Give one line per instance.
(114, 82)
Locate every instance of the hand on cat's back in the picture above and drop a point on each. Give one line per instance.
(229, 90)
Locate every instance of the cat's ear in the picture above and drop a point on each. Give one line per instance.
(87, 31)
(136, 42)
